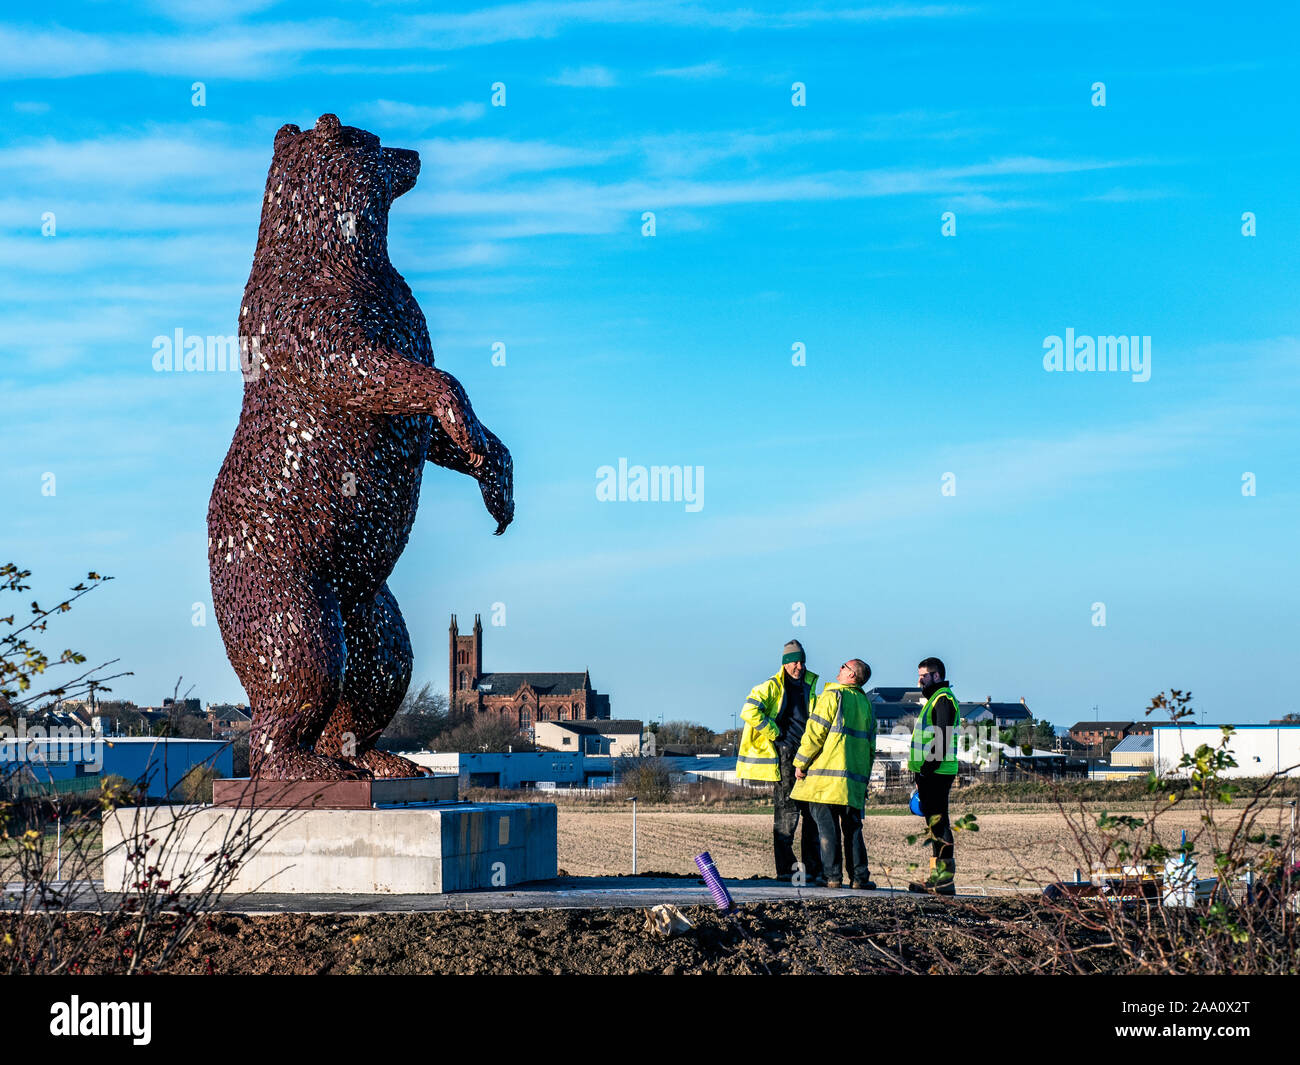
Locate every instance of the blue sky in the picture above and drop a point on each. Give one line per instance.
(774, 225)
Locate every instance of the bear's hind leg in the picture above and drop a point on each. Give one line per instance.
(375, 680)
(291, 665)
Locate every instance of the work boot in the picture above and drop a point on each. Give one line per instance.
(864, 885)
(834, 885)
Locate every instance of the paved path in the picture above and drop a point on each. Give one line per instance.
(566, 893)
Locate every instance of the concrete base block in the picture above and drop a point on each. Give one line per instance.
(333, 794)
(399, 851)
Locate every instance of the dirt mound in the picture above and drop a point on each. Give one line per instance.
(889, 935)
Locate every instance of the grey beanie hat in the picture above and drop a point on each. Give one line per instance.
(793, 653)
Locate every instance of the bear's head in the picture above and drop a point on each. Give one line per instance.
(329, 189)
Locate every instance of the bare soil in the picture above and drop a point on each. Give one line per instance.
(868, 935)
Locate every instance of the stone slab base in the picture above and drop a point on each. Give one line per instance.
(241, 792)
(413, 850)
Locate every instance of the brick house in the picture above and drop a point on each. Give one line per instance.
(521, 698)
(227, 719)
(1095, 733)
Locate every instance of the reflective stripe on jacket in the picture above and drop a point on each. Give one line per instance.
(923, 741)
(757, 758)
(838, 748)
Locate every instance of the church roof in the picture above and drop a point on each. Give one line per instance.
(542, 683)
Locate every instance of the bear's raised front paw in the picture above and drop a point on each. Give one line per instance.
(496, 480)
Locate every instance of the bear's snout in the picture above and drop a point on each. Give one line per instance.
(404, 167)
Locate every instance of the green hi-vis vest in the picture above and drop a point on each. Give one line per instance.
(923, 737)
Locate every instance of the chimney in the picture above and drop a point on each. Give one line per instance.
(1022, 700)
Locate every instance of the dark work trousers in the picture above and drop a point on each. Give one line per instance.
(835, 824)
(786, 816)
(933, 789)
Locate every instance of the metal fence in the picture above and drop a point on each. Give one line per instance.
(25, 786)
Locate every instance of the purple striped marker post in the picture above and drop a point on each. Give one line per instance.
(721, 899)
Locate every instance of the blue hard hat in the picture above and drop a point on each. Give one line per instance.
(914, 803)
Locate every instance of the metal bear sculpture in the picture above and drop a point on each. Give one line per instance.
(317, 495)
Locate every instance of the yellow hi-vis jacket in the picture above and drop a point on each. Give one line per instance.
(838, 748)
(757, 758)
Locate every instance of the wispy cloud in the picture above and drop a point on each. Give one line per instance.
(588, 77)
(416, 116)
(594, 207)
(250, 53)
(262, 50)
(697, 72)
(547, 18)
(1123, 195)
(193, 157)
(185, 196)
(471, 161)
(981, 203)
(994, 475)
(209, 10)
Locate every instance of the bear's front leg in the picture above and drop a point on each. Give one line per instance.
(384, 382)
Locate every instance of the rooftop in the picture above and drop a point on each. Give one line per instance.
(890, 710)
(1012, 710)
(894, 695)
(542, 683)
(1135, 745)
(606, 727)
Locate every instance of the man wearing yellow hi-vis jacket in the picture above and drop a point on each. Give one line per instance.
(775, 714)
(833, 767)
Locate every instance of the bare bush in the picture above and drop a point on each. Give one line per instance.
(55, 914)
(644, 779)
(1141, 910)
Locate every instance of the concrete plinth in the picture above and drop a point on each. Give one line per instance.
(333, 794)
(404, 850)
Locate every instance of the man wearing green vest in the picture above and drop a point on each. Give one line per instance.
(933, 761)
(833, 767)
(775, 715)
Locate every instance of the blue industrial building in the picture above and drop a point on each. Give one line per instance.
(79, 763)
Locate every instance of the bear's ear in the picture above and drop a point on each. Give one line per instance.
(328, 126)
(285, 132)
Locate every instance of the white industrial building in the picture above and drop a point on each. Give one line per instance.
(1259, 750)
(520, 769)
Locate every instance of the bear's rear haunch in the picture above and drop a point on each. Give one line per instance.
(316, 497)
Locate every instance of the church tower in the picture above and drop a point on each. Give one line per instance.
(466, 659)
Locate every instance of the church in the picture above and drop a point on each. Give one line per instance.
(521, 698)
